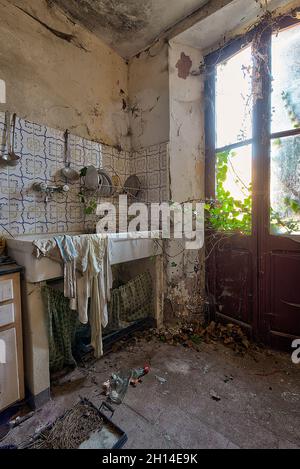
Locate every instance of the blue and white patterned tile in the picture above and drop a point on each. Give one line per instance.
(87, 149)
(154, 180)
(153, 195)
(152, 150)
(52, 227)
(4, 211)
(16, 185)
(95, 158)
(61, 212)
(141, 164)
(18, 143)
(163, 178)
(51, 171)
(119, 165)
(40, 169)
(77, 151)
(16, 229)
(153, 162)
(41, 227)
(75, 227)
(143, 177)
(29, 228)
(24, 126)
(42, 157)
(4, 184)
(39, 145)
(164, 194)
(51, 145)
(17, 171)
(62, 227)
(106, 159)
(29, 213)
(39, 130)
(60, 152)
(75, 213)
(27, 167)
(72, 196)
(15, 216)
(163, 158)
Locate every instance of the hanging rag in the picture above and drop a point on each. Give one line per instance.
(46, 248)
(68, 254)
(95, 282)
(87, 274)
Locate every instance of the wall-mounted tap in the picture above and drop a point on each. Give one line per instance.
(49, 190)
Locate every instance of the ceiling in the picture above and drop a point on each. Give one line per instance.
(129, 26)
(233, 17)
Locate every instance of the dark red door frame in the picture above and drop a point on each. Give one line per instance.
(260, 243)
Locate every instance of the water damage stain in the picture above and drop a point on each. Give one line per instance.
(130, 16)
(184, 66)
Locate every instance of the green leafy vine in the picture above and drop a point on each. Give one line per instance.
(229, 214)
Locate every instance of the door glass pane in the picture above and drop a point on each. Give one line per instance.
(285, 185)
(232, 211)
(286, 80)
(233, 99)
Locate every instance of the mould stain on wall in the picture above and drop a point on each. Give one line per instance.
(130, 16)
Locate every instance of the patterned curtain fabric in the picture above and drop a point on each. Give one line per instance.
(131, 302)
(62, 322)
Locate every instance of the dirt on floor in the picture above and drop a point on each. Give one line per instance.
(199, 393)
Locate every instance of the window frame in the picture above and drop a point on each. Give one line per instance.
(261, 129)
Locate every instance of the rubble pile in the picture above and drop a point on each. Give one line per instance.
(193, 334)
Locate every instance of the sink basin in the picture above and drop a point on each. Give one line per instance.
(124, 247)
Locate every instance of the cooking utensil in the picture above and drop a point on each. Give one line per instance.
(132, 185)
(69, 173)
(117, 186)
(11, 159)
(105, 184)
(91, 178)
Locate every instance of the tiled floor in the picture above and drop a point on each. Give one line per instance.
(210, 399)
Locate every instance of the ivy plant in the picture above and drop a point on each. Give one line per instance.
(229, 213)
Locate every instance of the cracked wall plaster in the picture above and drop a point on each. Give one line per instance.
(60, 75)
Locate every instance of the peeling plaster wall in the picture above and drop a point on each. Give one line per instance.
(166, 101)
(185, 271)
(149, 97)
(186, 123)
(60, 75)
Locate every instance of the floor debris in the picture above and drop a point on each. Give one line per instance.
(160, 379)
(5, 428)
(192, 335)
(116, 387)
(215, 396)
(228, 379)
(248, 415)
(290, 397)
(69, 431)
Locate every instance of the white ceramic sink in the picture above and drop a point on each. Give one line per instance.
(124, 247)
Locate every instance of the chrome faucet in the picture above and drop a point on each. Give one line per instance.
(49, 190)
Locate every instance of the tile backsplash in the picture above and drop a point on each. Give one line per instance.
(23, 211)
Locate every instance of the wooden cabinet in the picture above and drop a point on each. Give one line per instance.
(11, 345)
